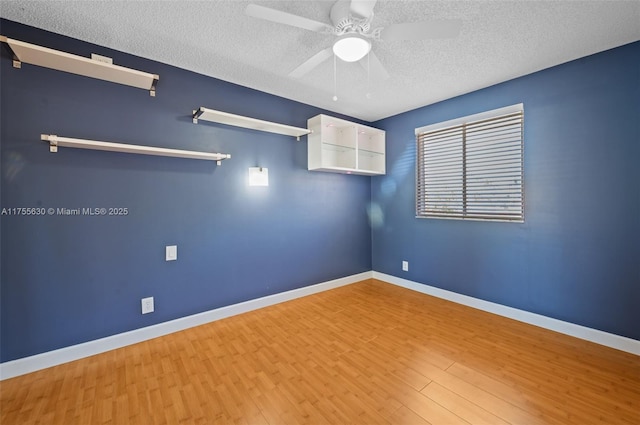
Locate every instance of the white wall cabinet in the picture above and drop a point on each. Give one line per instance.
(341, 146)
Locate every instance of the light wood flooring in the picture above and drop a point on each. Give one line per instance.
(367, 353)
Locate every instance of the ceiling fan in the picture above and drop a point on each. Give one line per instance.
(351, 26)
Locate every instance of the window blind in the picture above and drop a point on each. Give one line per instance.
(473, 168)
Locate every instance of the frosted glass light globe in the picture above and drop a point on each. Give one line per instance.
(351, 49)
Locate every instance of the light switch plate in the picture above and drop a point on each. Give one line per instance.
(147, 305)
(171, 252)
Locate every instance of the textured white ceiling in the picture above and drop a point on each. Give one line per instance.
(500, 40)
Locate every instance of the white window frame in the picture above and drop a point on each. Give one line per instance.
(460, 205)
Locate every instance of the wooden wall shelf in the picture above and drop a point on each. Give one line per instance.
(56, 141)
(220, 117)
(61, 61)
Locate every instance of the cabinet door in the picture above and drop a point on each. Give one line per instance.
(371, 150)
(339, 146)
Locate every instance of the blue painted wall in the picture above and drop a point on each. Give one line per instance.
(70, 279)
(577, 256)
(67, 280)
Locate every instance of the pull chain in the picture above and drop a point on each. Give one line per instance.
(368, 95)
(335, 79)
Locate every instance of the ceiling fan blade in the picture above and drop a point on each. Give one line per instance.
(311, 63)
(422, 30)
(281, 17)
(377, 71)
(363, 8)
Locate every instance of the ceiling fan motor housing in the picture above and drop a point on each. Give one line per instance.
(345, 22)
(351, 25)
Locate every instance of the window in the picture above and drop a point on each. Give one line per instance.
(472, 167)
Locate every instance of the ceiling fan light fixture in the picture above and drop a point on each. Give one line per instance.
(351, 48)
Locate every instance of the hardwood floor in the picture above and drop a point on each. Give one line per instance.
(367, 353)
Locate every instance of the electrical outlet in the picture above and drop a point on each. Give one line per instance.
(147, 305)
(405, 266)
(171, 253)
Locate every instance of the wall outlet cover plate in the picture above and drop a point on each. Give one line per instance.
(147, 305)
(171, 252)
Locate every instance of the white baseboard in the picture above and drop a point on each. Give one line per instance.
(63, 355)
(599, 337)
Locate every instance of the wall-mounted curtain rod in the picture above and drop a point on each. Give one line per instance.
(62, 61)
(56, 141)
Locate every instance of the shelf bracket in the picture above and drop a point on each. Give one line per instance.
(152, 90)
(16, 61)
(53, 142)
